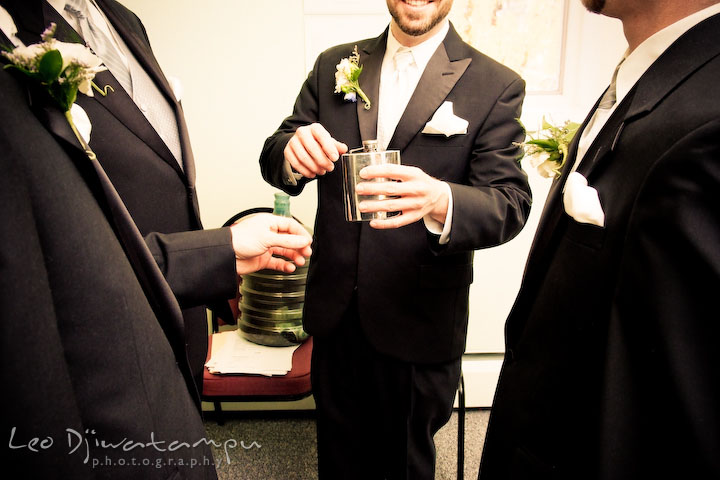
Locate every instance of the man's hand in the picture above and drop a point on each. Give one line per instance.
(312, 151)
(257, 238)
(418, 195)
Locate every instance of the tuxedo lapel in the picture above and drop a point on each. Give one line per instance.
(5, 42)
(371, 60)
(606, 139)
(664, 75)
(137, 46)
(439, 77)
(691, 51)
(158, 292)
(141, 50)
(34, 17)
(541, 248)
(119, 104)
(553, 209)
(156, 288)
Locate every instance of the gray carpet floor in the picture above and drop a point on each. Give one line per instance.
(282, 446)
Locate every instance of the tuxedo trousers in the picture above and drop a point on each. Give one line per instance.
(376, 415)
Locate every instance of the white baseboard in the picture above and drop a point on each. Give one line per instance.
(481, 372)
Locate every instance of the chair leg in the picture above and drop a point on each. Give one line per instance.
(219, 416)
(461, 429)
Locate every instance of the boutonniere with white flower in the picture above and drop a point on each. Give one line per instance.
(548, 147)
(347, 78)
(62, 70)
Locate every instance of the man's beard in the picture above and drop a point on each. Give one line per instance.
(595, 6)
(418, 30)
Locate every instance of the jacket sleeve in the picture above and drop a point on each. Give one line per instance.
(305, 112)
(494, 204)
(199, 265)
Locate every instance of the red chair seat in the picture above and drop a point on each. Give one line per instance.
(239, 388)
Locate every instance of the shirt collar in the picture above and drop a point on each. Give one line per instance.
(423, 51)
(58, 5)
(639, 60)
(7, 25)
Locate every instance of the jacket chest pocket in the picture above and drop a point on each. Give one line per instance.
(585, 234)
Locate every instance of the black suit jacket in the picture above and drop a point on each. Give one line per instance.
(610, 367)
(412, 294)
(92, 336)
(160, 196)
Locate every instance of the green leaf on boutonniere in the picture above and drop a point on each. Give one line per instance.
(544, 144)
(50, 66)
(60, 69)
(548, 146)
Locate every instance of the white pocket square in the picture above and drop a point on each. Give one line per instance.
(445, 122)
(582, 202)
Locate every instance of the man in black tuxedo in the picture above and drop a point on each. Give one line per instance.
(388, 306)
(142, 142)
(611, 348)
(97, 382)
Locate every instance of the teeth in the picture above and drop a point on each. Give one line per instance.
(417, 3)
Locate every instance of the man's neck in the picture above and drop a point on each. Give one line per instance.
(641, 23)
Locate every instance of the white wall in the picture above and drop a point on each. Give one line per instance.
(242, 64)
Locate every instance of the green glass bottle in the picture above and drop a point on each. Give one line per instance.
(272, 302)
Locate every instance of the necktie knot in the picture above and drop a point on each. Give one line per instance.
(76, 9)
(403, 58)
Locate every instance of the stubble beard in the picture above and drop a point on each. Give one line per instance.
(415, 30)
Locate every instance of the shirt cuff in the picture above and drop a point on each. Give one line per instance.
(437, 228)
(289, 176)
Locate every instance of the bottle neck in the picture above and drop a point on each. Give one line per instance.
(282, 205)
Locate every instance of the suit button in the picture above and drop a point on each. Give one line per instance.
(510, 355)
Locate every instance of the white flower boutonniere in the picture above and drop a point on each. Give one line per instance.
(549, 149)
(62, 69)
(347, 78)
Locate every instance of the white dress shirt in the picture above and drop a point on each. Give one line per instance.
(634, 66)
(7, 25)
(421, 55)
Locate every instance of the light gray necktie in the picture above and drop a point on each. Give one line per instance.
(610, 97)
(395, 96)
(100, 44)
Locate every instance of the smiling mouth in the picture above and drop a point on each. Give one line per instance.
(417, 3)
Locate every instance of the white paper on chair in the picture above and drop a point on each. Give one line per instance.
(231, 353)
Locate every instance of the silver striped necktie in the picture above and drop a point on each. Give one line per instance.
(100, 44)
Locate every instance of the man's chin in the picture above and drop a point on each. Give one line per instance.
(418, 17)
(594, 6)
